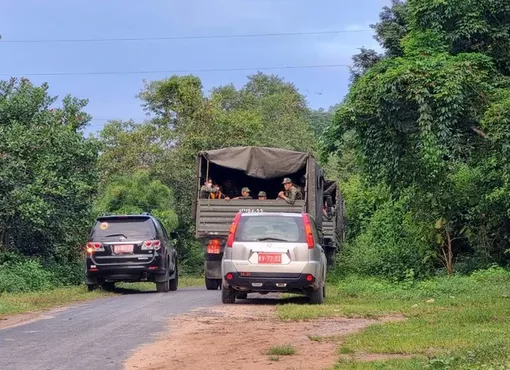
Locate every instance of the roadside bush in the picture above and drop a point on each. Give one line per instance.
(191, 255)
(390, 245)
(491, 281)
(25, 276)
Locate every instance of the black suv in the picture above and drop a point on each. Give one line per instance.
(130, 248)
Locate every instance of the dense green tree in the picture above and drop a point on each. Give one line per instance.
(127, 146)
(391, 29)
(48, 171)
(431, 119)
(265, 111)
(136, 193)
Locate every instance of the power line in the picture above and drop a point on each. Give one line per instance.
(184, 37)
(206, 70)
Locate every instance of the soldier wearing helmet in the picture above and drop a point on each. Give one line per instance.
(291, 192)
(245, 194)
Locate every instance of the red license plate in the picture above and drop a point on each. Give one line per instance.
(125, 248)
(213, 249)
(270, 258)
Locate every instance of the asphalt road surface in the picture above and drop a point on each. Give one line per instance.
(99, 334)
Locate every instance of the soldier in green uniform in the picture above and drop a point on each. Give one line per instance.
(245, 194)
(208, 190)
(262, 195)
(291, 193)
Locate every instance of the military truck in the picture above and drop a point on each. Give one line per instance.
(259, 169)
(333, 223)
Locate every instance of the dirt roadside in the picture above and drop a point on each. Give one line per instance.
(240, 336)
(12, 321)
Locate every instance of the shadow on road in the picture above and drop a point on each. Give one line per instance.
(132, 291)
(272, 300)
(127, 291)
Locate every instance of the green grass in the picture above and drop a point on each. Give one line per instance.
(316, 338)
(284, 350)
(16, 303)
(457, 322)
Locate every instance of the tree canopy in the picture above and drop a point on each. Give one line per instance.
(137, 193)
(48, 170)
(266, 111)
(430, 116)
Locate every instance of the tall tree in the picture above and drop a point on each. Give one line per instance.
(391, 29)
(48, 170)
(137, 193)
(426, 120)
(266, 111)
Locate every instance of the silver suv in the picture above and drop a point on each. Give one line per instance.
(273, 252)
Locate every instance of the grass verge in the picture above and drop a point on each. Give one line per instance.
(284, 350)
(459, 322)
(16, 303)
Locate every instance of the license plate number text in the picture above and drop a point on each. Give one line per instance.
(269, 258)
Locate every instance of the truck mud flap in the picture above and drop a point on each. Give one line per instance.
(213, 269)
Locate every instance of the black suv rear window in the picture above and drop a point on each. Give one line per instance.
(130, 228)
(267, 228)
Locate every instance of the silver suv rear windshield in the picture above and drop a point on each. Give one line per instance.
(131, 228)
(271, 228)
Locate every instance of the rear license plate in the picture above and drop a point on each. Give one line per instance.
(270, 258)
(213, 249)
(121, 249)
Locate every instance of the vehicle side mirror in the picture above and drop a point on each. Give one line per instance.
(173, 235)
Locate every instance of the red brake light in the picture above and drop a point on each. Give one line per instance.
(232, 232)
(94, 247)
(151, 245)
(229, 276)
(308, 231)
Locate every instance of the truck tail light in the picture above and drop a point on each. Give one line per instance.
(233, 229)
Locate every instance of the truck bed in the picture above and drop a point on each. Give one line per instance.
(214, 216)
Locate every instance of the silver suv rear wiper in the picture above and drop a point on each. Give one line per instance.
(275, 239)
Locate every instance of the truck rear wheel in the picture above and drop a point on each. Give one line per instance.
(212, 284)
(330, 256)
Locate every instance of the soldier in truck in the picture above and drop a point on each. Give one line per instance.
(208, 190)
(245, 194)
(291, 193)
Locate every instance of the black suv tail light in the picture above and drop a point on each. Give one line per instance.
(94, 247)
(150, 245)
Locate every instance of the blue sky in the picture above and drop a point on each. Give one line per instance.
(113, 96)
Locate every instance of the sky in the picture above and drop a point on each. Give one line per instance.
(113, 96)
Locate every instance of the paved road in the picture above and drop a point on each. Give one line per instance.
(99, 334)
